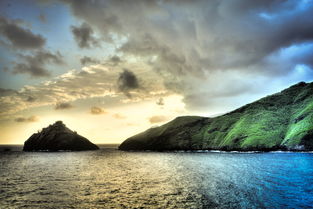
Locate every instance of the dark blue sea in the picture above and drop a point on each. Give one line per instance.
(109, 178)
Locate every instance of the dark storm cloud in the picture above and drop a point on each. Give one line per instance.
(84, 36)
(194, 41)
(26, 119)
(88, 60)
(115, 59)
(127, 81)
(34, 65)
(63, 106)
(20, 37)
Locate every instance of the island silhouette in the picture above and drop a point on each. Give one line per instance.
(282, 121)
(58, 137)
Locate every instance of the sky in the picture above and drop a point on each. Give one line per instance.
(110, 69)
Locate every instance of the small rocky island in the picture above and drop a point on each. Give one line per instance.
(58, 137)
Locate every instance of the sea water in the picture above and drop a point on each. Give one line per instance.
(108, 178)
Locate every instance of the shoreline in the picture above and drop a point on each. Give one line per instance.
(19, 148)
(222, 151)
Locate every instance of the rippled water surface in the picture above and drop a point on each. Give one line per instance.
(109, 178)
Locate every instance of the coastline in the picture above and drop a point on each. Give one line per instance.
(19, 148)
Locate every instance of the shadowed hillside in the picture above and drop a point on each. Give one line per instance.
(58, 137)
(282, 121)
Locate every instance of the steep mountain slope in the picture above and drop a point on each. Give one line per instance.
(282, 121)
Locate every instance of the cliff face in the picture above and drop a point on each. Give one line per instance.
(283, 121)
(58, 137)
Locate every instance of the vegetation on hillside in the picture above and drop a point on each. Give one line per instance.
(283, 121)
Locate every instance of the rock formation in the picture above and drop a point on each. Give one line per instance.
(58, 137)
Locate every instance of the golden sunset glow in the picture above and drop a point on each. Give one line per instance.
(110, 69)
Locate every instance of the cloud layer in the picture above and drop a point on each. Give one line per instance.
(34, 65)
(20, 37)
(210, 52)
(157, 119)
(84, 36)
(96, 110)
(63, 106)
(31, 56)
(32, 118)
(190, 42)
(88, 60)
(93, 81)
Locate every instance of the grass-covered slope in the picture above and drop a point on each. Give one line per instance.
(280, 121)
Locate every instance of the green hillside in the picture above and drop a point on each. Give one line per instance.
(283, 121)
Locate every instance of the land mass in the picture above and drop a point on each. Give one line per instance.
(282, 121)
(58, 137)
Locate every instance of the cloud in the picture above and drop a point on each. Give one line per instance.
(83, 35)
(30, 99)
(34, 64)
(95, 81)
(88, 60)
(97, 110)
(119, 116)
(20, 37)
(25, 119)
(131, 124)
(127, 81)
(63, 106)
(7, 92)
(115, 59)
(196, 45)
(160, 101)
(157, 119)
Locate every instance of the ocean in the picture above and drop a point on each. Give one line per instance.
(109, 178)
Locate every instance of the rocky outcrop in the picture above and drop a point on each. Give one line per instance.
(282, 121)
(58, 137)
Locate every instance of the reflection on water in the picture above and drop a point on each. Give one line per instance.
(109, 178)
